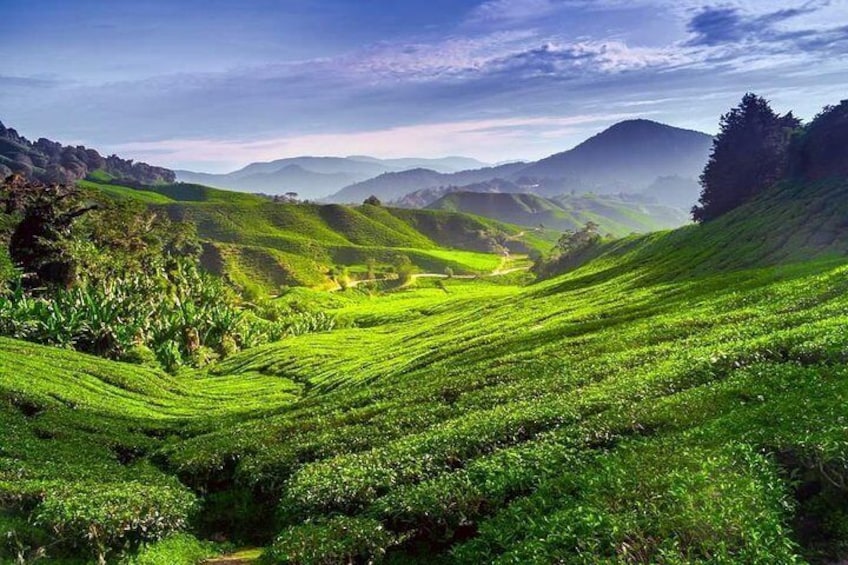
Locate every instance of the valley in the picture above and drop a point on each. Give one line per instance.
(195, 375)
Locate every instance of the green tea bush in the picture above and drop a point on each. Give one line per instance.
(337, 540)
(101, 518)
(176, 549)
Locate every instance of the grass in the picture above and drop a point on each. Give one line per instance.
(265, 245)
(124, 192)
(679, 399)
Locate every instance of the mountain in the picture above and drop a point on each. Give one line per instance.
(317, 177)
(392, 186)
(441, 165)
(51, 162)
(291, 177)
(627, 157)
(615, 214)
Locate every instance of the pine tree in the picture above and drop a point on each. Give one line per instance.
(749, 155)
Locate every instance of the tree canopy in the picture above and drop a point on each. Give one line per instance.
(749, 154)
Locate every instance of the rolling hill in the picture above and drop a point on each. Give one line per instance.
(680, 398)
(255, 241)
(617, 215)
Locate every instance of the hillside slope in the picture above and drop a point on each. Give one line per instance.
(616, 215)
(680, 399)
(255, 240)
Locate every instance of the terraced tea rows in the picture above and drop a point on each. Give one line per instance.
(679, 399)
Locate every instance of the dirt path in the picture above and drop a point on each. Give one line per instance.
(414, 276)
(241, 557)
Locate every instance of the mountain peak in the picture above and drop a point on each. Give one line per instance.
(644, 125)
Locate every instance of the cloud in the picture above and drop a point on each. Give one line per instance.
(7, 81)
(490, 137)
(538, 59)
(512, 10)
(716, 26)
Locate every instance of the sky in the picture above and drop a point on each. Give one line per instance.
(213, 85)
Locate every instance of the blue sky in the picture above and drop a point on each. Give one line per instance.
(212, 85)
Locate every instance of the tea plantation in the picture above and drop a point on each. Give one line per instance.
(263, 245)
(681, 398)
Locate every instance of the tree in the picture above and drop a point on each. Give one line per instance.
(404, 268)
(572, 242)
(373, 201)
(46, 214)
(749, 154)
(820, 150)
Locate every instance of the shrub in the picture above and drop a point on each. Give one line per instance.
(106, 517)
(337, 540)
(176, 549)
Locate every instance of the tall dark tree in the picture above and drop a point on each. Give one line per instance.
(46, 214)
(749, 155)
(821, 149)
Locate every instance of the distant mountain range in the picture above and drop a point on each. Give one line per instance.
(319, 177)
(615, 214)
(393, 186)
(633, 156)
(629, 157)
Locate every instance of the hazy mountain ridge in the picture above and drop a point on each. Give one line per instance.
(627, 157)
(615, 214)
(393, 186)
(632, 152)
(318, 177)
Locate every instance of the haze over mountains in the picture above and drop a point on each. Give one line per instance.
(633, 156)
(615, 214)
(318, 177)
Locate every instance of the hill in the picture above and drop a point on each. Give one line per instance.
(52, 162)
(426, 196)
(617, 215)
(680, 398)
(317, 177)
(265, 244)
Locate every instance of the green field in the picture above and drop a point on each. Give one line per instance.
(679, 399)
